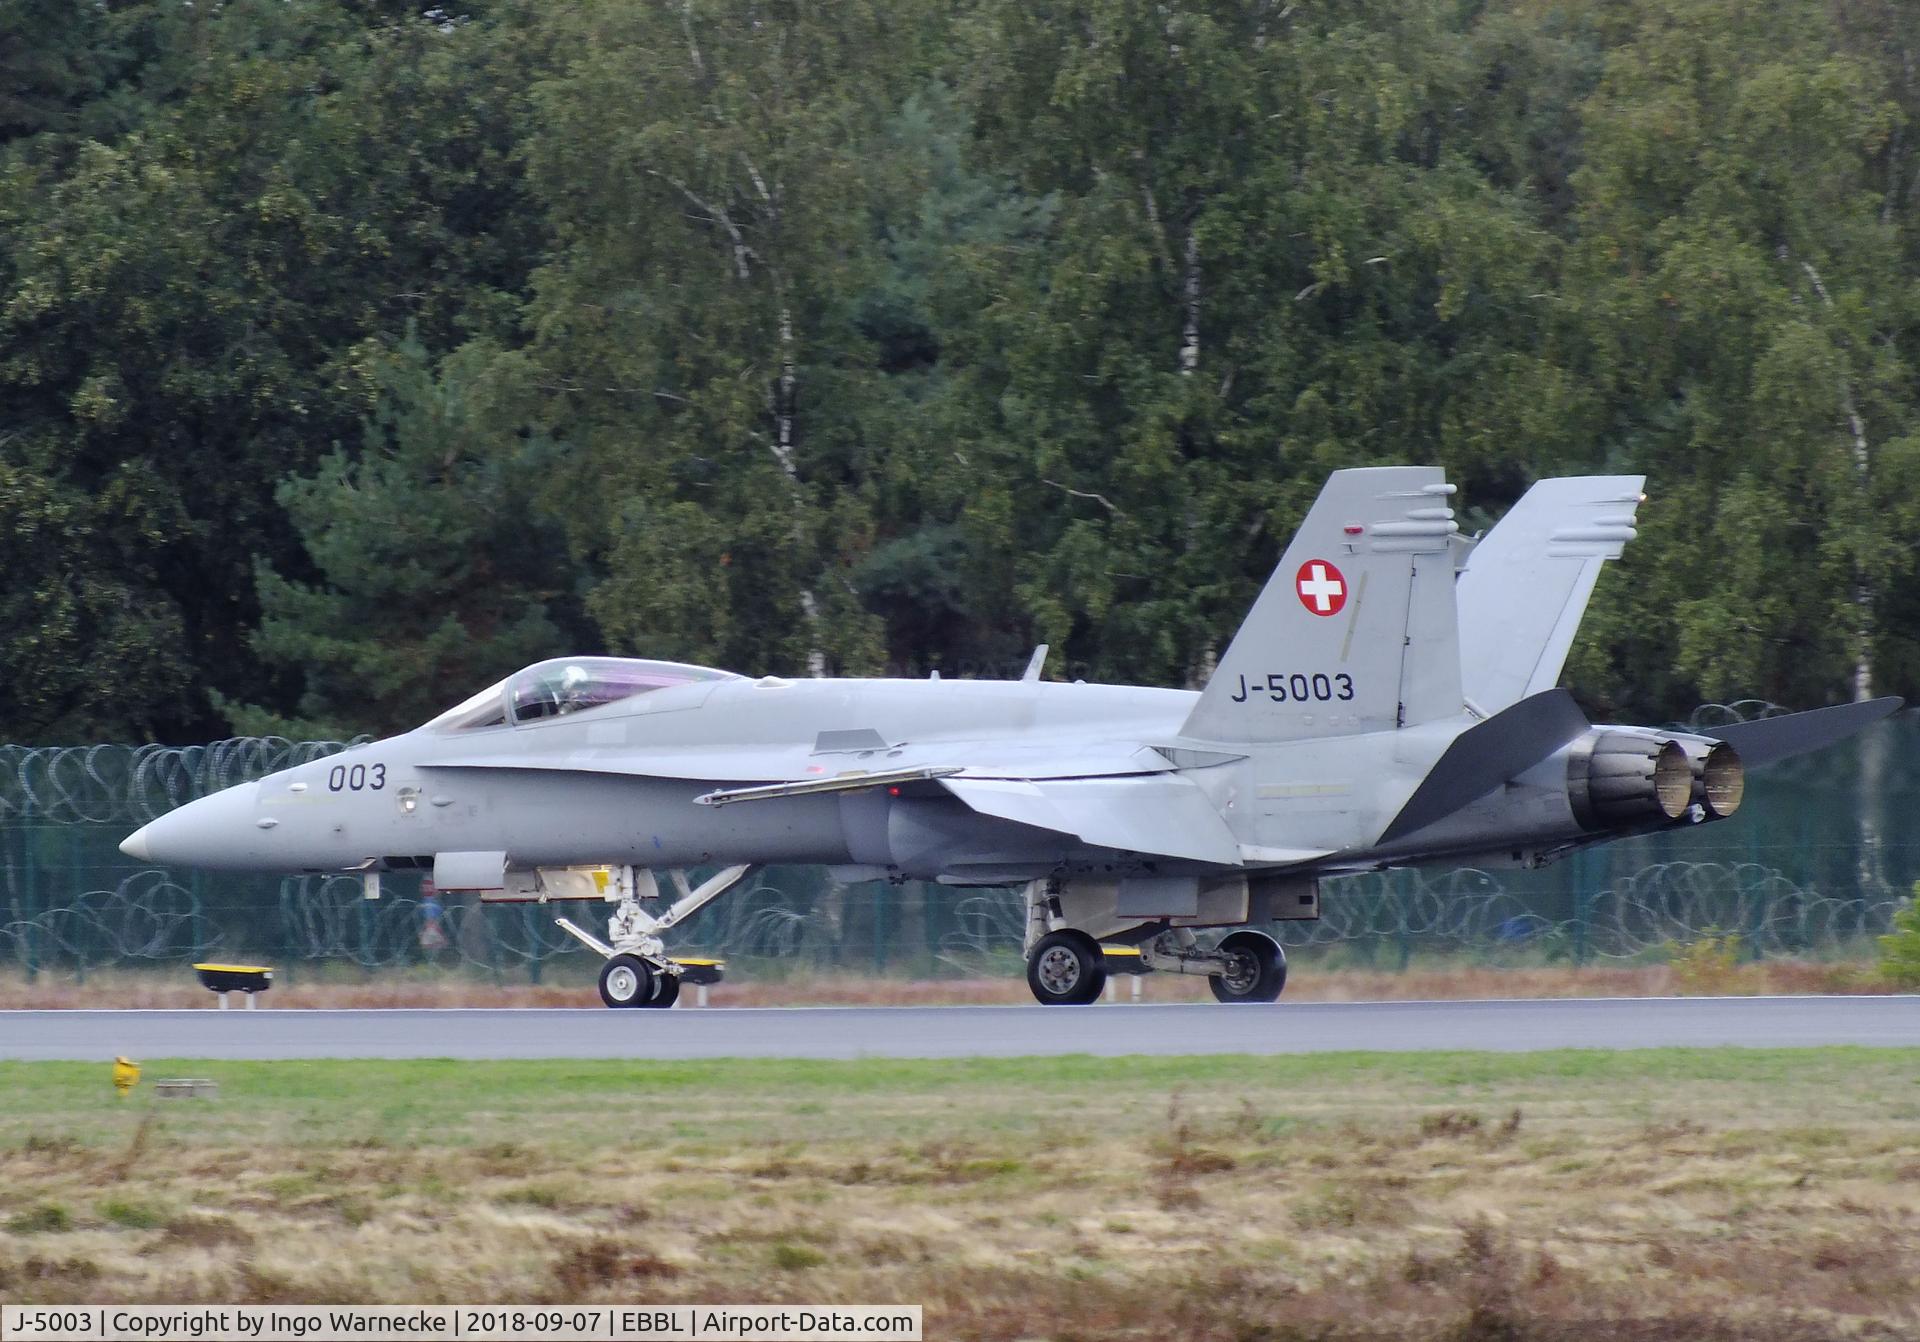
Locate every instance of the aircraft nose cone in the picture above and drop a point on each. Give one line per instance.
(135, 845)
(216, 831)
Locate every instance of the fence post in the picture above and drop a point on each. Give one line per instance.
(1365, 948)
(1582, 918)
(1582, 904)
(83, 942)
(32, 887)
(197, 888)
(493, 940)
(533, 945)
(1401, 878)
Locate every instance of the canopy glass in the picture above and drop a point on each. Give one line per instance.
(568, 685)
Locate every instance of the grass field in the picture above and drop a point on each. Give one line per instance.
(1663, 1194)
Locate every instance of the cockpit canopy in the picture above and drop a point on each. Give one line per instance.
(568, 685)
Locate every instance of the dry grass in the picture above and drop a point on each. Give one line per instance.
(1308, 983)
(1705, 1194)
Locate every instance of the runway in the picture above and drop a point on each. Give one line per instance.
(967, 1032)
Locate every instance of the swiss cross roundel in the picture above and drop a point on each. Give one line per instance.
(1321, 587)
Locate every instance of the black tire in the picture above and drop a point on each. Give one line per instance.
(1261, 969)
(626, 981)
(1067, 968)
(666, 990)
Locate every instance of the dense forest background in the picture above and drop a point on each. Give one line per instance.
(352, 355)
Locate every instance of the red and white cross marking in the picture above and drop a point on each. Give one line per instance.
(1323, 591)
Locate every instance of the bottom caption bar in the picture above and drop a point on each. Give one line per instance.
(479, 1323)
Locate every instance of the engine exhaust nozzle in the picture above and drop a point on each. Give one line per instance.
(1719, 779)
(1627, 778)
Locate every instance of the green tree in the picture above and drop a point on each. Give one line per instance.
(436, 577)
(1900, 949)
(697, 323)
(51, 61)
(1274, 255)
(941, 575)
(1725, 311)
(85, 652)
(190, 310)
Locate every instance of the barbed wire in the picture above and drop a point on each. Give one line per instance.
(97, 785)
(1662, 905)
(146, 917)
(151, 918)
(1706, 717)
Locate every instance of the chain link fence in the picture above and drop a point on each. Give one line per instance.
(1814, 865)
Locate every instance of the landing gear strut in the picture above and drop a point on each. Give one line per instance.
(638, 971)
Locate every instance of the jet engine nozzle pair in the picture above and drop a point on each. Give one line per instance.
(1617, 779)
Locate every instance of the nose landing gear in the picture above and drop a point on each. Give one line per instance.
(638, 971)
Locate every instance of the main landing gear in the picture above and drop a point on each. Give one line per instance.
(1256, 969)
(1067, 966)
(638, 971)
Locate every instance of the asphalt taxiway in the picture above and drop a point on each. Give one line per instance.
(1115, 1030)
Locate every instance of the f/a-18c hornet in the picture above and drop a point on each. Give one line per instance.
(1390, 700)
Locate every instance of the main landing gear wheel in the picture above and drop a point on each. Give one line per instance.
(1067, 968)
(1259, 969)
(627, 981)
(666, 990)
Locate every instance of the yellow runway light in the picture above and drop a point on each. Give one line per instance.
(126, 1075)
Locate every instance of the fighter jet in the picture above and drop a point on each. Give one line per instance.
(1347, 728)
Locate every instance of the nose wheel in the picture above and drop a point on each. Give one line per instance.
(627, 981)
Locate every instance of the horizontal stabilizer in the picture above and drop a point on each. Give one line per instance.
(1163, 816)
(1488, 754)
(1765, 740)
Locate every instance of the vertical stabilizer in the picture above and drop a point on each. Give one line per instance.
(1525, 586)
(1356, 630)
